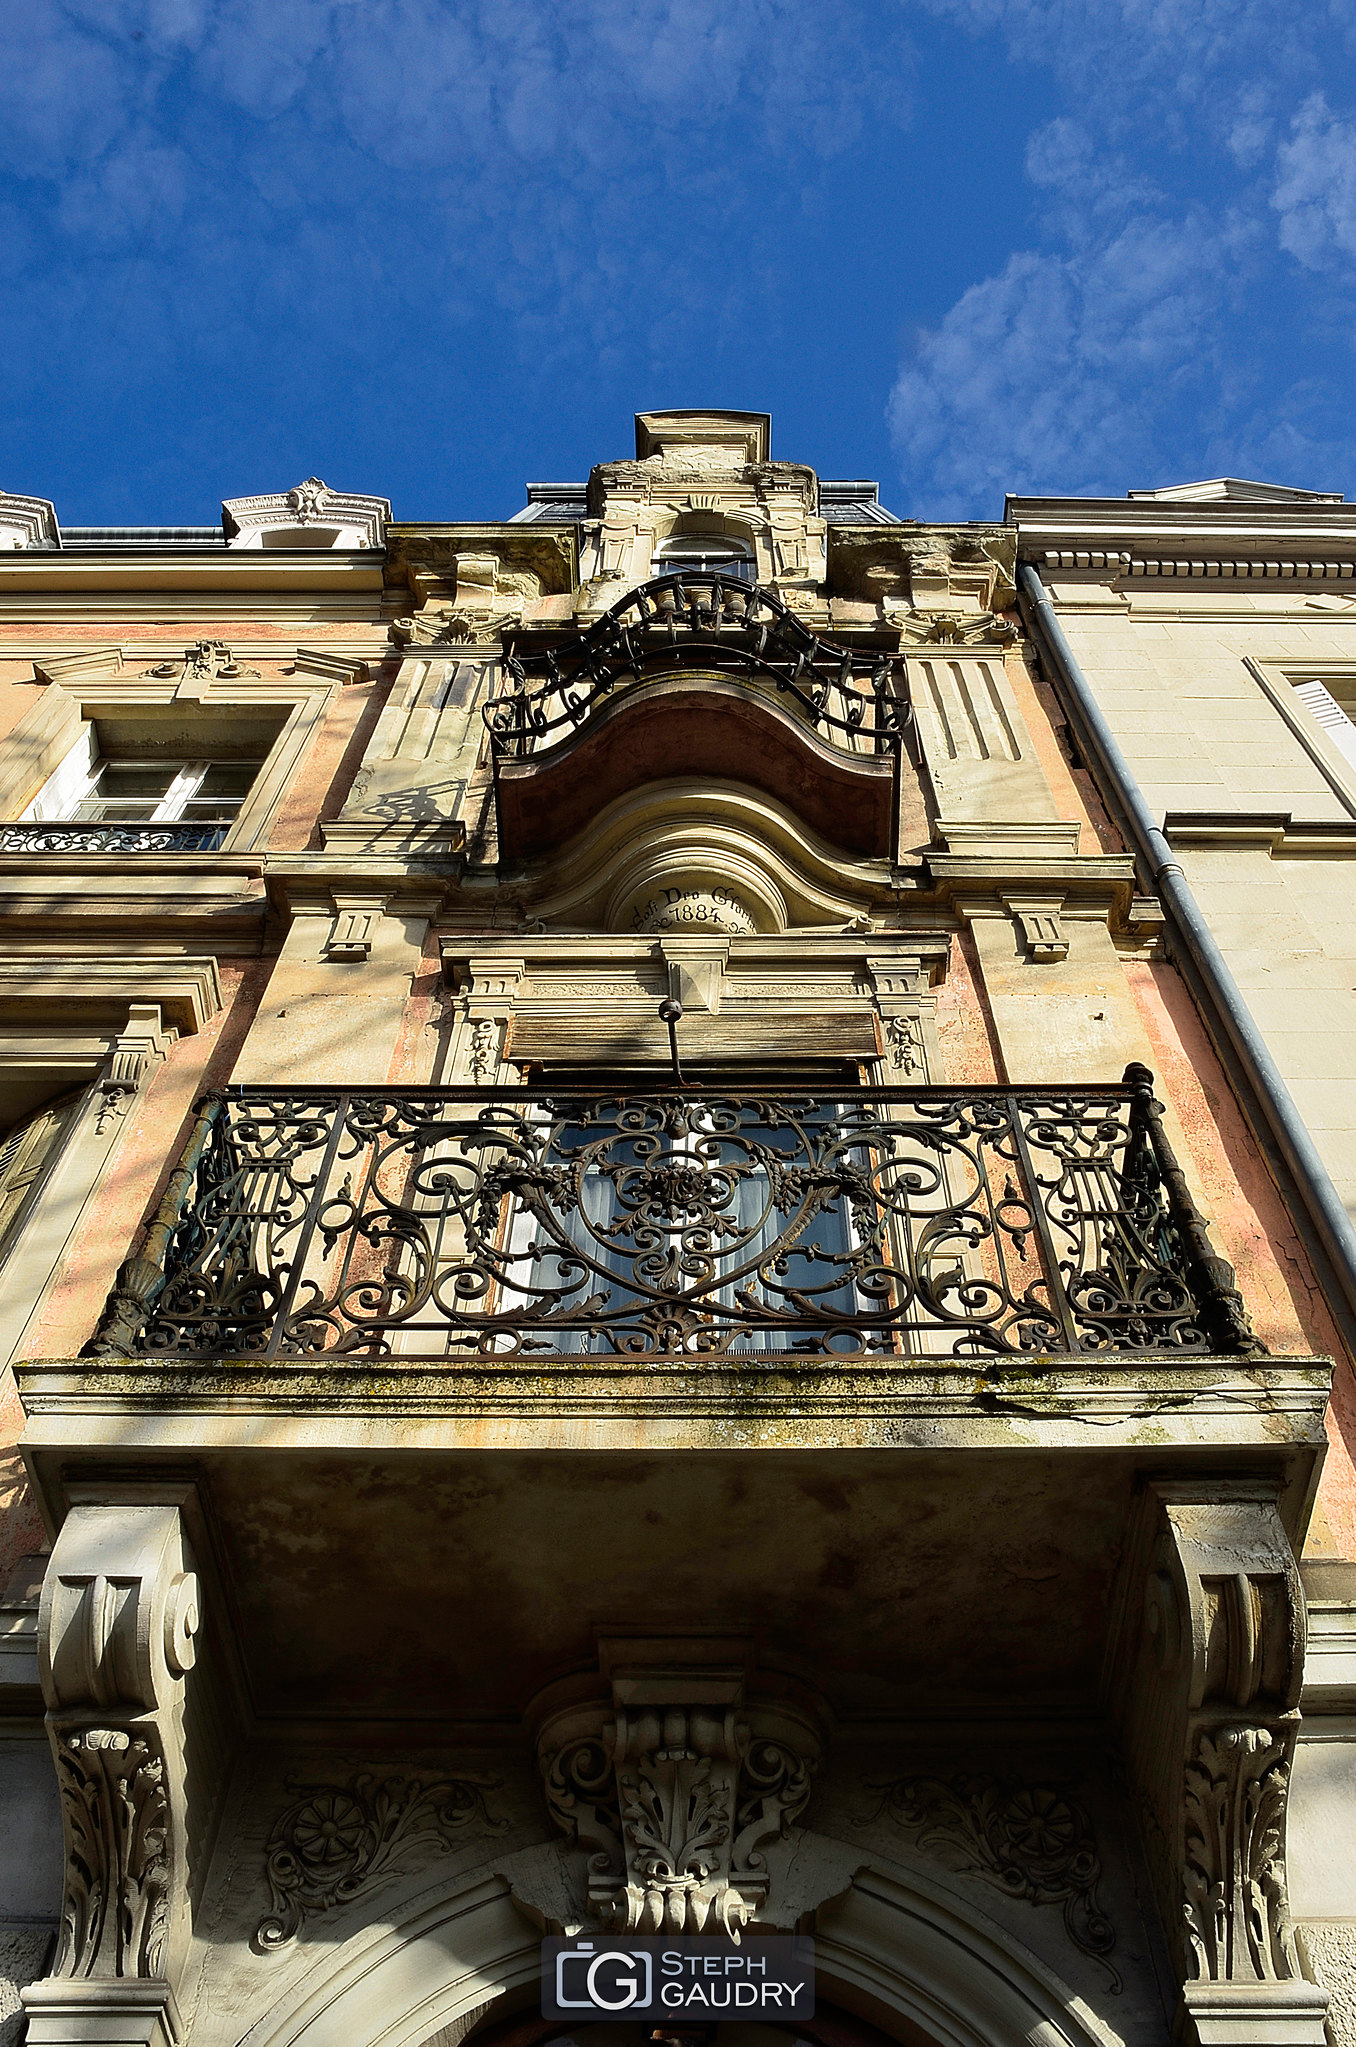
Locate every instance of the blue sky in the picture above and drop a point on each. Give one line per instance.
(429, 248)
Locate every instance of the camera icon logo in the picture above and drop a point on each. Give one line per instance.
(605, 1979)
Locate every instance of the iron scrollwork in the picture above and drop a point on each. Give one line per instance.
(461, 1223)
(719, 621)
(31, 836)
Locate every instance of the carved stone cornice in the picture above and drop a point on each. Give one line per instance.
(676, 1785)
(358, 520)
(27, 522)
(425, 560)
(1204, 1676)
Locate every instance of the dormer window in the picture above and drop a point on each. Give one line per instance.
(703, 552)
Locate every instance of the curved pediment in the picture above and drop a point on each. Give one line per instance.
(704, 725)
(688, 835)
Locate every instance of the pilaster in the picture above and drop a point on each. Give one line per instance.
(409, 790)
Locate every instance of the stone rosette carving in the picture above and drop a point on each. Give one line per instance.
(336, 1840)
(674, 1800)
(1030, 1842)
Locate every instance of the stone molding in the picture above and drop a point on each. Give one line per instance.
(1204, 1675)
(127, 2013)
(676, 1784)
(187, 990)
(360, 521)
(1198, 568)
(81, 665)
(27, 522)
(597, 992)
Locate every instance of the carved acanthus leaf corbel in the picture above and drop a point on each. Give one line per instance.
(674, 1799)
(1205, 1677)
(117, 1632)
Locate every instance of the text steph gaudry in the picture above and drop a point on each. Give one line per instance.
(747, 1995)
(653, 1976)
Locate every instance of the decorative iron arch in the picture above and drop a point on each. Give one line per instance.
(854, 697)
(698, 619)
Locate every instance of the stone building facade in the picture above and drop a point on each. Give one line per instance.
(638, 1295)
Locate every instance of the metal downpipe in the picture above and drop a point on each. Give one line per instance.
(1326, 1212)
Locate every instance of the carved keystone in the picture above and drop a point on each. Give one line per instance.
(676, 1787)
(1205, 1677)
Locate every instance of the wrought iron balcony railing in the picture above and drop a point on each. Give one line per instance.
(29, 835)
(445, 1223)
(706, 618)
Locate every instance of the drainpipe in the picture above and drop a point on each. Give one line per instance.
(1323, 1207)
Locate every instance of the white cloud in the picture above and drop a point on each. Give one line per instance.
(1315, 193)
(1139, 332)
(1050, 376)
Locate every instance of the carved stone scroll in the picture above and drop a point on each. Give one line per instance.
(675, 1792)
(1205, 1677)
(1030, 1842)
(334, 1840)
(117, 1632)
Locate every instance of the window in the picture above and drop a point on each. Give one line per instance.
(26, 1151)
(134, 785)
(210, 792)
(688, 1235)
(1326, 712)
(704, 552)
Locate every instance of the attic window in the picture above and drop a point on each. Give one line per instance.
(703, 552)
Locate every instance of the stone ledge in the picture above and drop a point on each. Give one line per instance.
(1271, 1412)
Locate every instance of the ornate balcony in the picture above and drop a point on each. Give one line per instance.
(452, 1224)
(699, 673)
(31, 835)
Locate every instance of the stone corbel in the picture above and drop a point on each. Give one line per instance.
(134, 1053)
(356, 917)
(677, 1785)
(488, 601)
(490, 988)
(1204, 1677)
(904, 1005)
(117, 1643)
(1037, 914)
